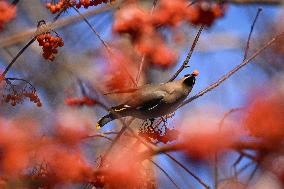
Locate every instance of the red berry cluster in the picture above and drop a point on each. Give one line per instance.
(65, 4)
(87, 3)
(13, 98)
(17, 98)
(62, 4)
(206, 13)
(158, 135)
(33, 98)
(157, 131)
(49, 45)
(80, 101)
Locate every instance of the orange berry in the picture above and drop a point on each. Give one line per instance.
(61, 3)
(48, 5)
(195, 72)
(58, 7)
(51, 57)
(40, 37)
(48, 36)
(54, 51)
(61, 44)
(53, 9)
(46, 44)
(78, 5)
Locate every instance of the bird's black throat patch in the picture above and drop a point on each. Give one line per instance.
(189, 81)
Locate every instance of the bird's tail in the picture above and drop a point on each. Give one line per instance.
(104, 120)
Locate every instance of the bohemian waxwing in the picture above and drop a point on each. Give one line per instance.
(152, 100)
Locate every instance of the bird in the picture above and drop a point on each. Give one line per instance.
(152, 100)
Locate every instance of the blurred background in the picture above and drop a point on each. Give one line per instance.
(83, 57)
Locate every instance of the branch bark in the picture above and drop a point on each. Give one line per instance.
(229, 74)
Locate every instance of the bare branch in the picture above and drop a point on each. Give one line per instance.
(229, 74)
(17, 56)
(188, 171)
(140, 69)
(23, 35)
(186, 61)
(98, 135)
(227, 114)
(105, 45)
(93, 29)
(143, 56)
(167, 175)
(40, 29)
(250, 33)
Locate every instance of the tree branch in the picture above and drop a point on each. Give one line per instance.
(167, 175)
(23, 35)
(186, 61)
(229, 74)
(250, 33)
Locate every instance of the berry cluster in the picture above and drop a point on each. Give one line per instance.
(87, 3)
(15, 91)
(154, 135)
(62, 4)
(206, 13)
(65, 4)
(17, 98)
(13, 98)
(157, 131)
(80, 101)
(33, 98)
(49, 45)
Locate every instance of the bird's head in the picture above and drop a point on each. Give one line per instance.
(189, 79)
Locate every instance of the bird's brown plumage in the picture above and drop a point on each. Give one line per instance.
(153, 100)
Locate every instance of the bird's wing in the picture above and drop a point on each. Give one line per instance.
(142, 100)
(151, 103)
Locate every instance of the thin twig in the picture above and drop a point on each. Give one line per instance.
(233, 110)
(105, 45)
(252, 174)
(17, 56)
(28, 44)
(93, 29)
(98, 135)
(124, 127)
(140, 69)
(216, 171)
(250, 33)
(143, 56)
(238, 160)
(167, 175)
(19, 79)
(23, 35)
(186, 61)
(245, 167)
(188, 171)
(226, 76)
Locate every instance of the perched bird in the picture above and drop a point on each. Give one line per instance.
(152, 100)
